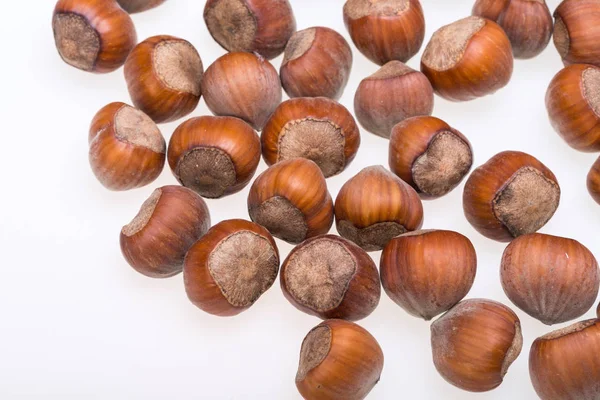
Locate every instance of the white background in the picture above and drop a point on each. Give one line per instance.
(77, 322)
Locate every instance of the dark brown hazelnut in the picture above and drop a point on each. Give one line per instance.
(577, 31)
(593, 181)
(135, 6)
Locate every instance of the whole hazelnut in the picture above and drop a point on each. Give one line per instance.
(317, 62)
(291, 200)
(214, 156)
(564, 364)
(391, 95)
(331, 277)
(593, 181)
(318, 129)
(135, 6)
(510, 195)
(429, 155)
(467, 59)
(577, 31)
(254, 26)
(230, 267)
(169, 222)
(475, 343)
(163, 75)
(242, 85)
(573, 104)
(551, 278)
(427, 272)
(338, 360)
(92, 35)
(374, 206)
(127, 150)
(385, 30)
(527, 23)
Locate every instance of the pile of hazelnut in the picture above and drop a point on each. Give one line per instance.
(311, 137)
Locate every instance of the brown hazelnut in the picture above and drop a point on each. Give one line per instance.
(598, 311)
(475, 343)
(261, 26)
(317, 62)
(593, 181)
(92, 35)
(577, 31)
(427, 272)
(385, 30)
(318, 129)
(551, 278)
(374, 206)
(163, 75)
(573, 104)
(331, 277)
(135, 6)
(291, 200)
(230, 267)
(510, 195)
(564, 364)
(242, 85)
(127, 150)
(338, 360)
(429, 155)
(467, 59)
(391, 95)
(214, 156)
(527, 23)
(169, 222)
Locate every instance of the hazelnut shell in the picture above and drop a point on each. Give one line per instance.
(593, 181)
(577, 31)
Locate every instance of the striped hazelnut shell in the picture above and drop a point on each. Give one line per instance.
(593, 181)
(577, 31)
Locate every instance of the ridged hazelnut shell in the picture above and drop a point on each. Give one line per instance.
(593, 181)
(577, 31)
(135, 6)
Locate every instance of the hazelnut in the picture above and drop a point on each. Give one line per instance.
(127, 150)
(242, 85)
(527, 23)
(331, 277)
(169, 222)
(261, 26)
(92, 35)
(551, 278)
(318, 129)
(577, 31)
(391, 95)
(510, 195)
(317, 62)
(214, 156)
(135, 6)
(573, 104)
(564, 364)
(467, 59)
(385, 30)
(374, 206)
(475, 343)
(427, 272)
(291, 200)
(598, 311)
(338, 360)
(229, 268)
(593, 181)
(429, 155)
(163, 75)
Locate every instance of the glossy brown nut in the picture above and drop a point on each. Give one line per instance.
(242, 85)
(469, 58)
(527, 23)
(475, 343)
(564, 364)
(92, 35)
(374, 206)
(385, 30)
(577, 31)
(512, 194)
(291, 200)
(318, 129)
(169, 222)
(593, 181)
(163, 75)
(429, 155)
(317, 62)
(135, 6)
(338, 360)
(230, 267)
(427, 272)
(127, 150)
(254, 26)
(573, 105)
(214, 156)
(391, 95)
